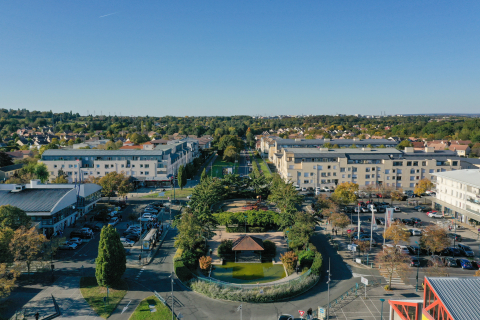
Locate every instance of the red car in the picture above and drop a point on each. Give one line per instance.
(433, 211)
(355, 230)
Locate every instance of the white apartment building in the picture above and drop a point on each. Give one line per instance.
(155, 166)
(272, 144)
(320, 167)
(458, 194)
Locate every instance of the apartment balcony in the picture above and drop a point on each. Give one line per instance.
(474, 200)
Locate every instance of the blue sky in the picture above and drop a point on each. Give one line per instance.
(190, 58)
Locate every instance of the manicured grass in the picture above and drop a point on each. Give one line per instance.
(219, 165)
(264, 168)
(143, 310)
(94, 294)
(169, 193)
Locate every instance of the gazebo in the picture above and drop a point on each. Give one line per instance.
(249, 245)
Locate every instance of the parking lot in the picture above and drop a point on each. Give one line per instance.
(468, 234)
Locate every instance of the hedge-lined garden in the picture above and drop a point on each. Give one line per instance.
(254, 221)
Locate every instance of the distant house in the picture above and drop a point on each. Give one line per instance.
(21, 154)
(9, 171)
(418, 145)
(460, 149)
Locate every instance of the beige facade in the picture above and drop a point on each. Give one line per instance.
(312, 167)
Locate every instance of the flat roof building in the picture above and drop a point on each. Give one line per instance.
(52, 206)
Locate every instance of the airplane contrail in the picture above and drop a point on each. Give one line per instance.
(108, 15)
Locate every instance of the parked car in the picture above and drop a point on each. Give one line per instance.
(114, 221)
(381, 221)
(78, 241)
(465, 250)
(368, 239)
(355, 230)
(465, 264)
(408, 222)
(417, 221)
(68, 246)
(415, 232)
(414, 262)
(449, 262)
(403, 249)
(475, 264)
(132, 237)
(421, 208)
(435, 261)
(81, 234)
(87, 230)
(396, 209)
(126, 242)
(416, 250)
(102, 217)
(286, 317)
(436, 215)
(457, 237)
(92, 227)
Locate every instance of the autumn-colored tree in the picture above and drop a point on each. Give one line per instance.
(396, 195)
(8, 276)
(363, 246)
(434, 238)
(397, 233)
(60, 180)
(436, 270)
(477, 273)
(205, 262)
(112, 181)
(26, 245)
(289, 260)
(340, 220)
(392, 260)
(345, 193)
(422, 186)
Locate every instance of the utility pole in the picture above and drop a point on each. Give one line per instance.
(173, 304)
(328, 284)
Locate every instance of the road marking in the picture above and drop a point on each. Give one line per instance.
(126, 307)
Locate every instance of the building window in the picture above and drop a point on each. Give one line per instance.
(320, 167)
(70, 166)
(431, 171)
(98, 166)
(367, 183)
(424, 163)
(133, 173)
(342, 169)
(98, 173)
(354, 169)
(123, 166)
(111, 166)
(415, 163)
(349, 176)
(367, 169)
(54, 165)
(323, 181)
(147, 166)
(290, 167)
(387, 171)
(52, 173)
(412, 185)
(343, 176)
(388, 178)
(146, 173)
(305, 181)
(409, 163)
(399, 178)
(399, 171)
(412, 178)
(305, 174)
(367, 176)
(106, 166)
(412, 171)
(454, 163)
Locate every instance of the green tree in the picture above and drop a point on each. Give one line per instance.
(41, 172)
(230, 154)
(111, 261)
(6, 236)
(5, 159)
(124, 187)
(203, 176)
(13, 217)
(182, 177)
(189, 231)
(402, 145)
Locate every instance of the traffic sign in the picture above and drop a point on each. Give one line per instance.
(301, 313)
(364, 281)
(321, 313)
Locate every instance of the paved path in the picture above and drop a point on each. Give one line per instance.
(69, 299)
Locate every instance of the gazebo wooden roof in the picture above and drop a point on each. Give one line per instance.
(248, 243)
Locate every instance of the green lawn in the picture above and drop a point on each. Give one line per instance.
(94, 294)
(169, 193)
(143, 310)
(264, 167)
(219, 165)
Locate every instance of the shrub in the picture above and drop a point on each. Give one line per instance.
(225, 248)
(182, 272)
(205, 262)
(256, 229)
(270, 248)
(189, 259)
(178, 254)
(387, 287)
(258, 294)
(305, 258)
(235, 229)
(289, 259)
(317, 264)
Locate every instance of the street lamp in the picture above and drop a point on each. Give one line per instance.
(381, 314)
(418, 265)
(173, 304)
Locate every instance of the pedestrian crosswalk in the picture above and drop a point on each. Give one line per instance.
(397, 281)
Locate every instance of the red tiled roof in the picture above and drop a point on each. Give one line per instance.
(130, 147)
(248, 243)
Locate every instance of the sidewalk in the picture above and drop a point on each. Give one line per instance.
(68, 297)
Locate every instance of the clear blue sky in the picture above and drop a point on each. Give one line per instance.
(240, 57)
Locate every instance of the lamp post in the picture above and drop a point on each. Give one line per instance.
(173, 304)
(418, 258)
(381, 313)
(328, 284)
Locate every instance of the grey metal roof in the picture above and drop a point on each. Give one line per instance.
(97, 152)
(342, 153)
(12, 167)
(33, 200)
(459, 296)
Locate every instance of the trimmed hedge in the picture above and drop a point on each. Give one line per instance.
(182, 271)
(317, 264)
(178, 254)
(235, 229)
(270, 294)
